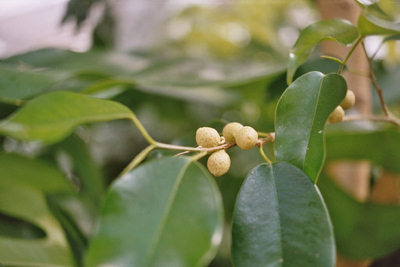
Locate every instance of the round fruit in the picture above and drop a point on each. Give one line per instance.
(349, 100)
(218, 163)
(207, 137)
(230, 130)
(246, 138)
(337, 115)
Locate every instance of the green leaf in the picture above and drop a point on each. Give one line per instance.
(372, 25)
(338, 30)
(280, 219)
(29, 204)
(53, 116)
(91, 180)
(17, 85)
(164, 213)
(301, 114)
(362, 230)
(372, 142)
(19, 170)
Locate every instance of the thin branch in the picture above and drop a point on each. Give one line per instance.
(375, 83)
(262, 153)
(341, 67)
(142, 130)
(138, 159)
(389, 119)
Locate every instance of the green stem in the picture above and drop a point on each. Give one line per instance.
(198, 156)
(138, 159)
(142, 130)
(341, 67)
(264, 155)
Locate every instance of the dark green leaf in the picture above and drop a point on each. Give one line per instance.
(53, 116)
(301, 115)
(338, 30)
(29, 204)
(91, 181)
(164, 213)
(373, 142)
(362, 230)
(280, 219)
(19, 170)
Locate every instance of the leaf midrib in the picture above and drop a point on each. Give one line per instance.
(278, 214)
(158, 233)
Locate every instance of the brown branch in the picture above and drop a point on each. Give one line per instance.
(375, 83)
(389, 119)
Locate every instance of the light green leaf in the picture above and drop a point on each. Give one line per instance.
(362, 230)
(371, 141)
(372, 25)
(29, 204)
(53, 116)
(280, 219)
(301, 114)
(164, 213)
(19, 170)
(338, 30)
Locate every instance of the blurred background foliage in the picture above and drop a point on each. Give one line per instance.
(210, 64)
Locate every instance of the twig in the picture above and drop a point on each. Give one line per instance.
(389, 119)
(375, 83)
(138, 159)
(341, 67)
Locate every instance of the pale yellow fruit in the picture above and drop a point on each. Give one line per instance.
(246, 138)
(230, 130)
(337, 115)
(219, 163)
(207, 137)
(349, 100)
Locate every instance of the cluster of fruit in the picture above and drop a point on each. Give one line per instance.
(348, 102)
(219, 162)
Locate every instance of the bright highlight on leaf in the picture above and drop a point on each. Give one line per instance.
(338, 30)
(280, 219)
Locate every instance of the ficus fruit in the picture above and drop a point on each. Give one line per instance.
(207, 137)
(246, 138)
(219, 163)
(349, 100)
(337, 115)
(230, 130)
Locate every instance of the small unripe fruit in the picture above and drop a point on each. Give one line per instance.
(349, 100)
(246, 138)
(219, 163)
(337, 115)
(207, 137)
(230, 130)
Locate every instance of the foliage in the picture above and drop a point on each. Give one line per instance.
(147, 205)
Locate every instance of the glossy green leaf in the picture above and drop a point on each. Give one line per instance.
(19, 170)
(338, 30)
(280, 219)
(29, 204)
(301, 114)
(53, 116)
(370, 141)
(362, 230)
(164, 213)
(372, 25)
